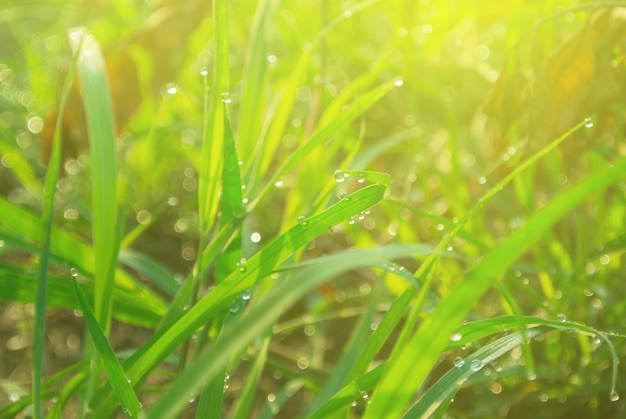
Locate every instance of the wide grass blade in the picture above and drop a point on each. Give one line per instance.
(262, 315)
(407, 371)
(98, 109)
(115, 373)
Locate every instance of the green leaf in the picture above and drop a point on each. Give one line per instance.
(98, 109)
(120, 383)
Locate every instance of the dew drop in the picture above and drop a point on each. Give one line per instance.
(171, 89)
(398, 82)
(302, 220)
(352, 220)
(226, 97)
(279, 183)
(255, 237)
(204, 73)
(459, 362)
(343, 194)
(614, 396)
(561, 317)
(361, 178)
(456, 337)
(589, 124)
(340, 176)
(74, 272)
(476, 365)
(365, 397)
(241, 265)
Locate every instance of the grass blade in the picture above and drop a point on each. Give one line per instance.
(447, 385)
(115, 373)
(212, 141)
(91, 71)
(41, 287)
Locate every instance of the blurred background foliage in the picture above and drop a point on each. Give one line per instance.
(484, 83)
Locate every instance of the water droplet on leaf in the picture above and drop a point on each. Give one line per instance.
(476, 365)
(340, 176)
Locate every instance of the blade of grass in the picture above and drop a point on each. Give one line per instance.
(254, 80)
(251, 384)
(212, 140)
(115, 373)
(100, 128)
(408, 369)
(41, 288)
(350, 354)
(211, 398)
(447, 385)
(263, 315)
(98, 109)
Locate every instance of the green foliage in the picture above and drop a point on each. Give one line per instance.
(312, 209)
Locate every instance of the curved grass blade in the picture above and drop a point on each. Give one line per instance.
(155, 272)
(98, 109)
(115, 373)
(41, 288)
(408, 369)
(261, 316)
(448, 385)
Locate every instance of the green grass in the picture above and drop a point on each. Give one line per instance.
(312, 209)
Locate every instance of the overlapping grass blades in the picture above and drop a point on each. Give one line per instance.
(265, 313)
(410, 366)
(256, 268)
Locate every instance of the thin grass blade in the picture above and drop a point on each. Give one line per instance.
(120, 383)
